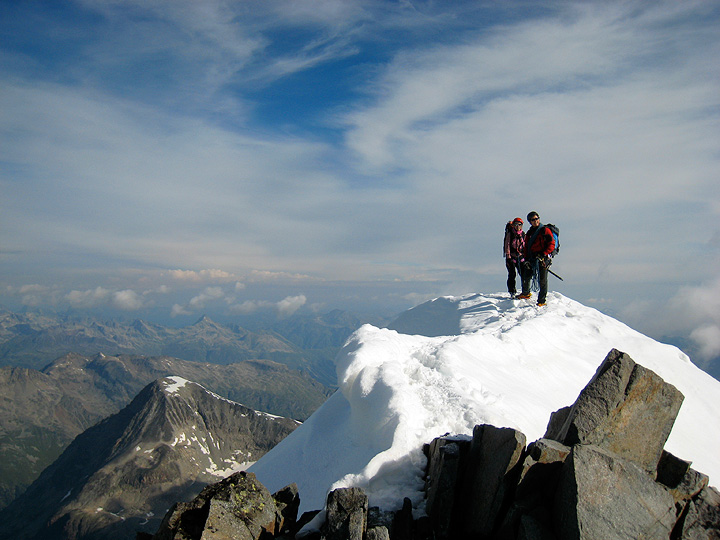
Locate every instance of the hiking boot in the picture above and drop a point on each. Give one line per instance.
(524, 296)
(541, 304)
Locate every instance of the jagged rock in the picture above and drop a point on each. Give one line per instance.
(377, 533)
(491, 474)
(603, 496)
(239, 508)
(556, 422)
(402, 526)
(422, 529)
(445, 464)
(531, 528)
(543, 452)
(702, 520)
(625, 408)
(346, 514)
(529, 515)
(379, 518)
(682, 482)
(287, 501)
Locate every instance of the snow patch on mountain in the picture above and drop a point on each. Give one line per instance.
(455, 362)
(173, 384)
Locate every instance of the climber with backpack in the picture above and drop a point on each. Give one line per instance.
(514, 252)
(541, 244)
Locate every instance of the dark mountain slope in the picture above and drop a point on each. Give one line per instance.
(41, 412)
(121, 475)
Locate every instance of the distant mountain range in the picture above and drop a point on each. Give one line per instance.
(62, 374)
(41, 412)
(308, 343)
(121, 475)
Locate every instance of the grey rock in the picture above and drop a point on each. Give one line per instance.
(445, 465)
(528, 516)
(556, 423)
(543, 452)
(378, 533)
(531, 528)
(346, 514)
(238, 508)
(379, 518)
(492, 470)
(682, 482)
(626, 409)
(702, 520)
(602, 496)
(287, 501)
(403, 522)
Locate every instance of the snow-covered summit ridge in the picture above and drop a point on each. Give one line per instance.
(454, 362)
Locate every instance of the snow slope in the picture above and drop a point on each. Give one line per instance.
(455, 362)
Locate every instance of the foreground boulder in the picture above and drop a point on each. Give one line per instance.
(602, 495)
(346, 514)
(239, 508)
(625, 408)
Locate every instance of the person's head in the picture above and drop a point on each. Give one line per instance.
(517, 224)
(533, 218)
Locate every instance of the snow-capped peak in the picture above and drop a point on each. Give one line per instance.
(455, 362)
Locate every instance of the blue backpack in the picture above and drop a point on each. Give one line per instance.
(556, 235)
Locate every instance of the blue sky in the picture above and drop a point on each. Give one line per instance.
(173, 158)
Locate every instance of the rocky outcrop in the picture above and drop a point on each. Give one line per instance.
(600, 473)
(239, 508)
(626, 409)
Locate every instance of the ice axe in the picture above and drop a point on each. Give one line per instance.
(554, 274)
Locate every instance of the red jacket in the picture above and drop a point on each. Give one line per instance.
(542, 244)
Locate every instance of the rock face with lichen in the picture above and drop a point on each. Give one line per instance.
(239, 508)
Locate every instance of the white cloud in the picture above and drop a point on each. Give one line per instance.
(707, 337)
(290, 305)
(698, 308)
(201, 275)
(178, 310)
(269, 276)
(89, 298)
(34, 288)
(210, 293)
(127, 300)
(249, 306)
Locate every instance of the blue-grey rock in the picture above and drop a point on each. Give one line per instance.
(626, 409)
(602, 496)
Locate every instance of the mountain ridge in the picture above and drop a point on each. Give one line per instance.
(121, 474)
